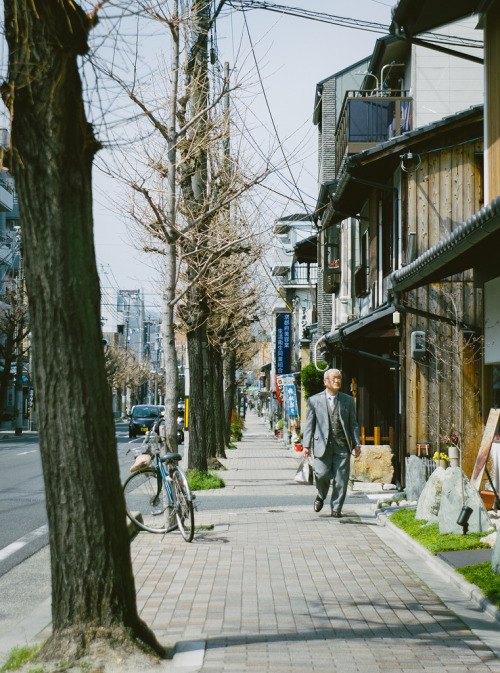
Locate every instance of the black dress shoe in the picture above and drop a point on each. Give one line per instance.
(318, 504)
(336, 515)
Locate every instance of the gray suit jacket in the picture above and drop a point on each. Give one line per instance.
(317, 423)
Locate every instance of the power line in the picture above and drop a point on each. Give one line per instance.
(358, 24)
(271, 116)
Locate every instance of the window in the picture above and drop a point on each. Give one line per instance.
(362, 273)
(331, 248)
(386, 211)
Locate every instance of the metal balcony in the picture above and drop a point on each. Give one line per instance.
(368, 118)
(6, 198)
(301, 275)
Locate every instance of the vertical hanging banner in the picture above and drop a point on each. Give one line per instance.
(285, 390)
(291, 397)
(279, 389)
(283, 339)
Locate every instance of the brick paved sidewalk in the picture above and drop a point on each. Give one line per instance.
(282, 589)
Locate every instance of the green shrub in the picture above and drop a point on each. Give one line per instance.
(312, 379)
(204, 481)
(237, 427)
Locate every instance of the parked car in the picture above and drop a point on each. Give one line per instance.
(142, 418)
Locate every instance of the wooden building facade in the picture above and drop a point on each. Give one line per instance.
(412, 358)
(441, 384)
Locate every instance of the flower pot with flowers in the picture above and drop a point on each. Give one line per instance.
(296, 436)
(278, 428)
(441, 459)
(452, 442)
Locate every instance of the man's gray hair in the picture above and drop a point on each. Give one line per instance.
(329, 371)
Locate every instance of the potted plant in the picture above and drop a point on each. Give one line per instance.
(441, 459)
(453, 448)
(278, 428)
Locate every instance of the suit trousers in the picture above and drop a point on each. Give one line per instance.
(334, 467)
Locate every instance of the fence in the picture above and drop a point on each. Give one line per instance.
(429, 464)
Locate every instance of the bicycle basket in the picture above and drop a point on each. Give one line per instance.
(142, 461)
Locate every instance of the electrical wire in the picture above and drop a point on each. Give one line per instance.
(359, 24)
(271, 115)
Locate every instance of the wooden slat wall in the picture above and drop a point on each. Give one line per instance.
(492, 67)
(441, 194)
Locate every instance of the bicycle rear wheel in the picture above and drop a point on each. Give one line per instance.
(146, 502)
(184, 510)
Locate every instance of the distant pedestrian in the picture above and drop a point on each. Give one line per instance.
(331, 430)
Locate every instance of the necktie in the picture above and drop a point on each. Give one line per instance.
(333, 402)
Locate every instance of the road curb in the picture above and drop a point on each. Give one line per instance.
(446, 571)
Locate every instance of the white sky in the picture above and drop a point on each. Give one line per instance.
(293, 55)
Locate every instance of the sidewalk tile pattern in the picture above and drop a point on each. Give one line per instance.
(280, 590)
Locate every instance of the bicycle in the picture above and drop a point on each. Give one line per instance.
(158, 498)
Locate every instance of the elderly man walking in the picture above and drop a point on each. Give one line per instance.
(332, 431)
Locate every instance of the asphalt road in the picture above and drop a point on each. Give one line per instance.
(23, 517)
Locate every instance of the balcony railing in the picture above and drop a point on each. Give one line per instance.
(368, 118)
(6, 196)
(302, 274)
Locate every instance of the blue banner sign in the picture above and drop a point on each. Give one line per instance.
(291, 398)
(283, 343)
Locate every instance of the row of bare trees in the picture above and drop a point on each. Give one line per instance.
(185, 203)
(208, 249)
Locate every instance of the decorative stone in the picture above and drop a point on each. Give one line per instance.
(415, 478)
(430, 498)
(495, 559)
(490, 539)
(451, 504)
(373, 465)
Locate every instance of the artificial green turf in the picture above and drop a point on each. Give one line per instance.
(484, 577)
(428, 535)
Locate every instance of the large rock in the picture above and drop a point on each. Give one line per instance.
(451, 504)
(430, 498)
(495, 559)
(374, 465)
(415, 478)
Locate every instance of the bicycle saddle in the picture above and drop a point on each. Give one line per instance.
(170, 456)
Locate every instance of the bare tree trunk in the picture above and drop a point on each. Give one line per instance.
(93, 592)
(197, 72)
(197, 457)
(218, 405)
(229, 390)
(210, 411)
(170, 281)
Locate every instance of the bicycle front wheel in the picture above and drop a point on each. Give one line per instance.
(184, 510)
(146, 502)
